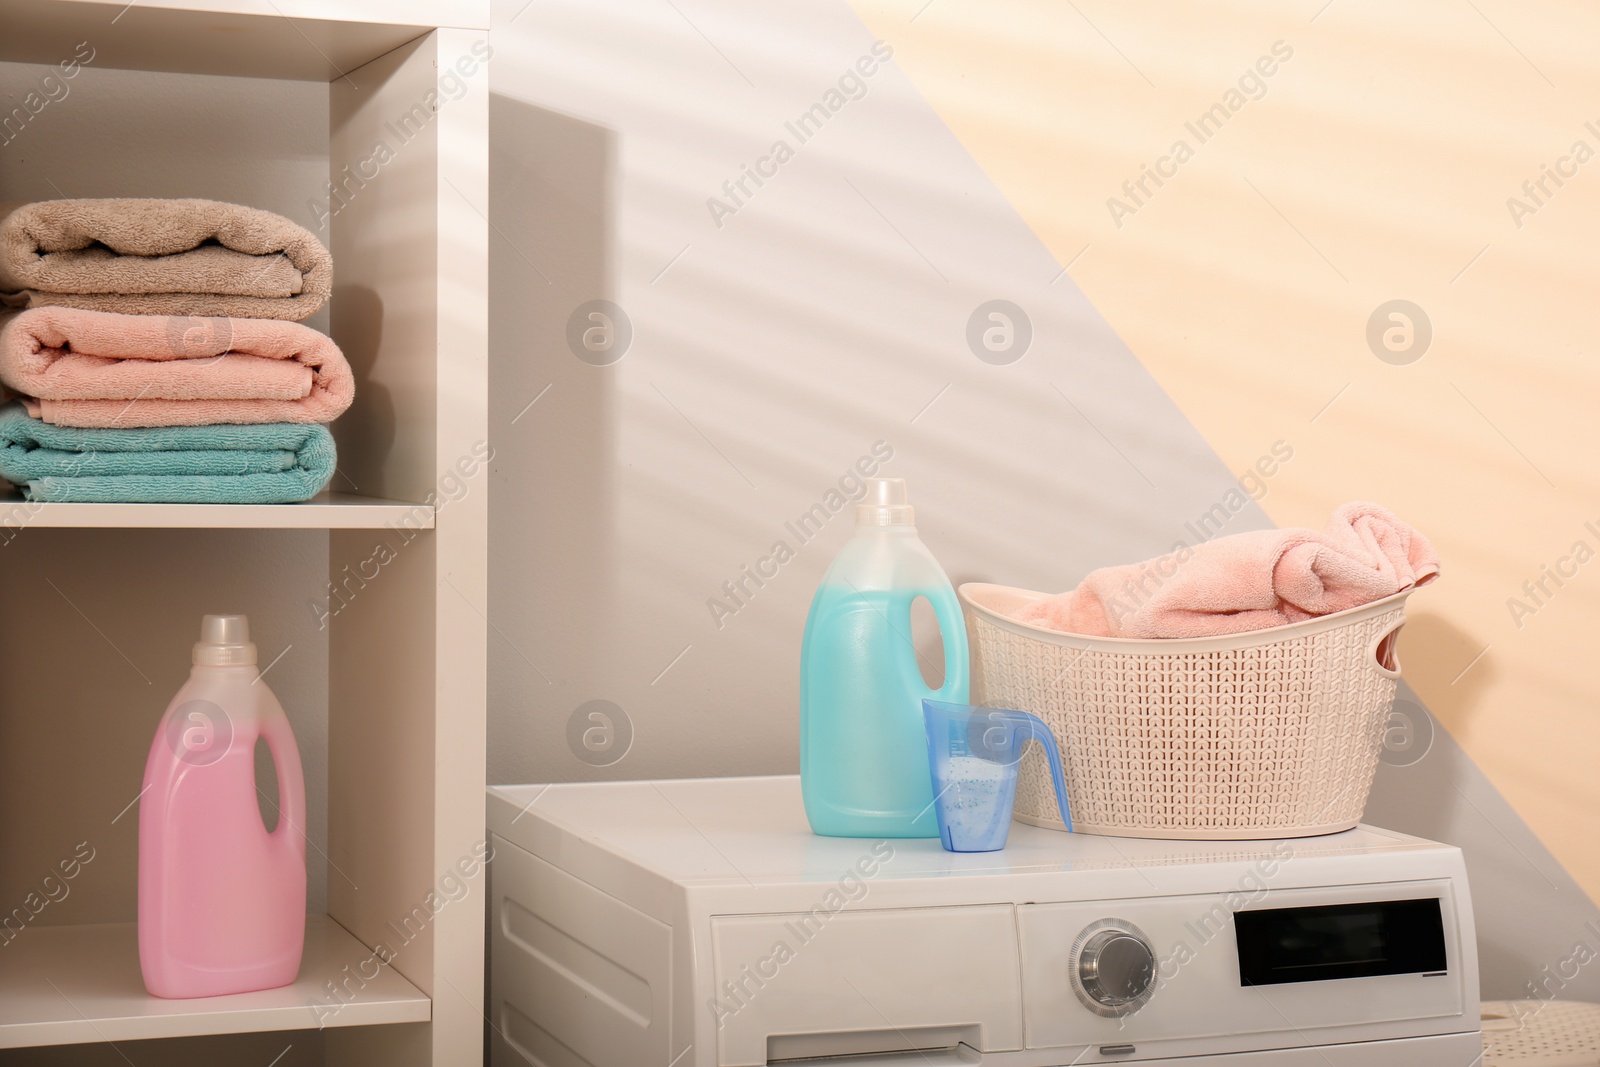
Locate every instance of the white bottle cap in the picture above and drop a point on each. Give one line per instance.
(225, 642)
(886, 504)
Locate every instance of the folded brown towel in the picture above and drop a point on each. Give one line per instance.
(161, 257)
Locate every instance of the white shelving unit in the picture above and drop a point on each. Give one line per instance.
(75, 984)
(406, 659)
(326, 511)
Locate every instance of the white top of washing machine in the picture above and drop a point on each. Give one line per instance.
(744, 831)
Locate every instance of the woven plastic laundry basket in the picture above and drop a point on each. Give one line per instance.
(1540, 1033)
(1274, 733)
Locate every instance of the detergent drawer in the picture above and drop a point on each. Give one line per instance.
(814, 984)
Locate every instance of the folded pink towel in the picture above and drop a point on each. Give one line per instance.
(1247, 581)
(94, 368)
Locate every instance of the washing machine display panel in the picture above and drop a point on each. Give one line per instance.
(1365, 940)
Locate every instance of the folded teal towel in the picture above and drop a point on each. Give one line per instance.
(271, 463)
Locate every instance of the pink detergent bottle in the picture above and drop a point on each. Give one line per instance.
(222, 902)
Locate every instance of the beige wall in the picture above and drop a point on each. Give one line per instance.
(1376, 164)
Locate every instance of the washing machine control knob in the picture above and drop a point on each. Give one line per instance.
(1114, 968)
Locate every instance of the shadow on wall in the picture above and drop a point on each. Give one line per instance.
(357, 317)
(1535, 923)
(551, 178)
(1532, 914)
(659, 524)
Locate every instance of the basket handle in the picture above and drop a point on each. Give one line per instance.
(1381, 652)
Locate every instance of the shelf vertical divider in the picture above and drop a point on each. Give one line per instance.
(406, 606)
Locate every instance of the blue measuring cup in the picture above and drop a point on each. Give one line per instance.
(973, 754)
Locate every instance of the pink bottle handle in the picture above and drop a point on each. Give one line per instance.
(291, 782)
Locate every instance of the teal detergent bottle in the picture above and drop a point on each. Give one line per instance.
(863, 757)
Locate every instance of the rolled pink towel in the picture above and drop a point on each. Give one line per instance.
(1247, 581)
(93, 368)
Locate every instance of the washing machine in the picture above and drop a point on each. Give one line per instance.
(700, 923)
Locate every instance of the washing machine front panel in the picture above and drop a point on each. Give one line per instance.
(1320, 969)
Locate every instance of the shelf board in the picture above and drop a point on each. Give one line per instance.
(67, 985)
(305, 40)
(326, 511)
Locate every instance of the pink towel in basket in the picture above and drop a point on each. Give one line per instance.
(1247, 581)
(76, 367)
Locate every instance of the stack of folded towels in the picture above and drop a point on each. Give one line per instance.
(156, 354)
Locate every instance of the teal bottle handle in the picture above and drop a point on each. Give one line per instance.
(956, 659)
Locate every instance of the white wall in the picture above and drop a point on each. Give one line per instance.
(768, 355)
